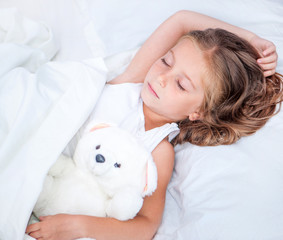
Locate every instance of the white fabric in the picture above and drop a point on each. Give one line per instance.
(65, 20)
(228, 192)
(39, 113)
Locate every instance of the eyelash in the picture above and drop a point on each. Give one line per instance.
(164, 62)
(180, 86)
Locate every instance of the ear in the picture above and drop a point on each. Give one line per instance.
(194, 116)
(151, 178)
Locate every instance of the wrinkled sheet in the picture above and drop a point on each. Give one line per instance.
(42, 105)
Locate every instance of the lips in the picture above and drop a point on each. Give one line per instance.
(152, 91)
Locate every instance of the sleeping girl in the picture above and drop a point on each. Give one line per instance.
(196, 79)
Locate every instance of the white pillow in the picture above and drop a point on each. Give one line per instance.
(229, 192)
(122, 25)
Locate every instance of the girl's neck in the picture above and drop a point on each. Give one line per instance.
(152, 119)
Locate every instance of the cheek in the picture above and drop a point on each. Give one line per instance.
(196, 103)
(188, 105)
(154, 71)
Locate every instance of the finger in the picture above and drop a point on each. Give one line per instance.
(269, 59)
(36, 234)
(269, 73)
(269, 50)
(269, 66)
(32, 228)
(41, 218)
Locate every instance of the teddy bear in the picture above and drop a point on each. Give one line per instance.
(109, 175)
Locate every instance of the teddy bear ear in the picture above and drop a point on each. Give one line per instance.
(99, 126)
(151, 178)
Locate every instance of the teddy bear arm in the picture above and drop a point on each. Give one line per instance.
(62, 164)
(125, 204)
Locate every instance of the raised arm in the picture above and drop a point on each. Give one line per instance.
(143, 226)
(168, 33)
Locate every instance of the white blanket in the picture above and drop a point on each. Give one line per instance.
(42, 105)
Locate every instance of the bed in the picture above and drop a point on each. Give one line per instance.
(55, 57)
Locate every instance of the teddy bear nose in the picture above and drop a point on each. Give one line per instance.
(99, 158)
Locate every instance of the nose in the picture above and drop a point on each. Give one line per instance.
(162, 80)
(100, 158)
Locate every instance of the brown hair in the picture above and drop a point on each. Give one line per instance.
(238, 99)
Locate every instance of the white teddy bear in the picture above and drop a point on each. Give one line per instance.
(109, 175)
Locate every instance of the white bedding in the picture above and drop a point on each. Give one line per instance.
(226, 192)
(42, 105)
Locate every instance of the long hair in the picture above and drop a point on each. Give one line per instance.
(238, 99)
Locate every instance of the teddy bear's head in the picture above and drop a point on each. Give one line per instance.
(116, 159)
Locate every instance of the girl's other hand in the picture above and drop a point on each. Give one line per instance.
(50, 227)
(267, 50)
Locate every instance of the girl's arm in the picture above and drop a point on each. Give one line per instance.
(167, 34)
(143, 226)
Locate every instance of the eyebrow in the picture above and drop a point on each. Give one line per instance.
(184, 73)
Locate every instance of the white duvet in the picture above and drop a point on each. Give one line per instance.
(42, 105)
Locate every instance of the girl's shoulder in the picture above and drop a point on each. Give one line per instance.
(164, 156)
(164, 151)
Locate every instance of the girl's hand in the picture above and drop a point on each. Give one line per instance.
(267, 50)
(56, 227)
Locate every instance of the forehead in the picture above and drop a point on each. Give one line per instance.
(189, 59)
(188, 48)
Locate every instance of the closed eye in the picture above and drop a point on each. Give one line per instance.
(180, 86)
(164, 62)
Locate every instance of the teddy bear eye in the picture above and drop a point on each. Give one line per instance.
(97, 147)
(117, 165)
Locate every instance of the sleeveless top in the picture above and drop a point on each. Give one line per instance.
(121, 105)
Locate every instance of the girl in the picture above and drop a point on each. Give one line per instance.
(210, 84)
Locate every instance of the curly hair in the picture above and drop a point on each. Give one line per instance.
(238, 99)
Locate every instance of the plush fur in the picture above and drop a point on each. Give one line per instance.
(109, 175)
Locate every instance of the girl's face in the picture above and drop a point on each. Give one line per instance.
(173, 87)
